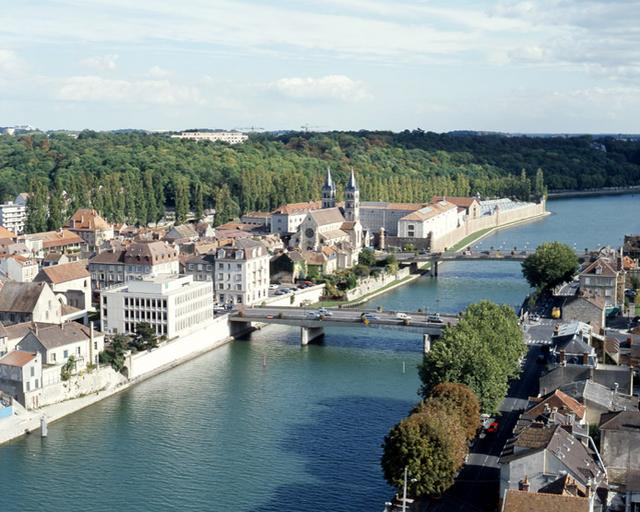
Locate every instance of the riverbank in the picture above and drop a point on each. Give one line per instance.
(141, 366)
(605, 191)
(479, 235)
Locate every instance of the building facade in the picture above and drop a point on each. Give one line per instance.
(241, 274)
(13, 217)
(171, 304)
(91, 227)
(228, 137)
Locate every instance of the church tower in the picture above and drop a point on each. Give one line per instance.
(352, 200)
(328, 191)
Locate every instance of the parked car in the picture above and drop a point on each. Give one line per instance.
(403, 316)
(435, 319)
(280, 292)
(274, 286)
(313, 315)
(535, 317)
(493, 427)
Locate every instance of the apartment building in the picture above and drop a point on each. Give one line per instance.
(13, 216)
(241, 274)
(171, 304)
(91, 227)
(140, 258)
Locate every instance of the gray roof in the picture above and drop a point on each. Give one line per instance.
(621, 420)
(54, 336)
(20, 297)
(565, 375)
(182, 231)
(557, 441)
(327, 216)
(602, 396)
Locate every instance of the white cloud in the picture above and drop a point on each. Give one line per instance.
(158, 72)
(10, 63)
(101, 62)
(330, 87)
(157, 92)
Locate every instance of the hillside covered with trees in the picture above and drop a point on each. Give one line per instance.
(134, 176)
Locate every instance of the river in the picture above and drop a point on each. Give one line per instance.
(265, 425)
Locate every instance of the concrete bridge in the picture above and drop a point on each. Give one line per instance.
(435, 258)
(312, 325)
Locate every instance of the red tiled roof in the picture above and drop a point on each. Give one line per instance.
(523, 501)
(63, 273)
(86, 219)
(17, 358)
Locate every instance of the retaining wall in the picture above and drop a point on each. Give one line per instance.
(174, 352)
(372, 284)
(495, 220)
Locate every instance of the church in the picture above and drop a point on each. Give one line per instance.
(332, 226)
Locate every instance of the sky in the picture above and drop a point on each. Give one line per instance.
(519, 66)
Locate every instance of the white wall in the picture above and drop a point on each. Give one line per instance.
(190, 344)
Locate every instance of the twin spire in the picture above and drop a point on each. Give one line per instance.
(329, 184)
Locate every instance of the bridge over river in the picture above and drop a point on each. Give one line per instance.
(435, 258)
(312, 325)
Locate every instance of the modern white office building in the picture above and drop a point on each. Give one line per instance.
(13, 217)
(171, 304)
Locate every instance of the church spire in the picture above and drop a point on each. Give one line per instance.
(328, 191)
(352, 181)
(352, 199)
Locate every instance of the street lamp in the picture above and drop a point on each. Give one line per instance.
(404, 493)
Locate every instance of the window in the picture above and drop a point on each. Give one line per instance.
(65, 354)
(53, 357)
(33, 371)
(78, 350)
(28, 386)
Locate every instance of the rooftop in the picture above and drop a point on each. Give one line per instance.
(20, 297)
(54, 336)
(18, 358)
(523, 501)
(86, 219)
(63, 273)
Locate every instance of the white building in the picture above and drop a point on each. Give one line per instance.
(57, 343)
(21, 376)
(287, 219)
(228, 137)
(29, 302)
(432, 221)
(18, 268)
(170, 304)
(241, 274)
(13, 216)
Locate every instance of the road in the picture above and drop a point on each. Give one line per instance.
(300, 316)
(476, 488)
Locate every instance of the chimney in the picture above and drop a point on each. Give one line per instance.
(585, 358)
(36, 327)
(631, 380)
(571, 418)
(523, 485)
(572, 487)
(562, 357)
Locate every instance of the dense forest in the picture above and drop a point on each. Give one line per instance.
(134, 176)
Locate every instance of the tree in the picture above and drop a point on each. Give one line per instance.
(551, 264)
(367, 257)
(460, 400)
(114, 352)
(37, 206)
(68, 368)
(431, 446)
(181, 189)
(481, 351)
(56, 214)
(145, 338)
(198, 202)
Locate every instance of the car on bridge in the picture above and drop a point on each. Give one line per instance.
(370, 316)
(325, 312)
(435, 319)
(312, 315)
(403, 316)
